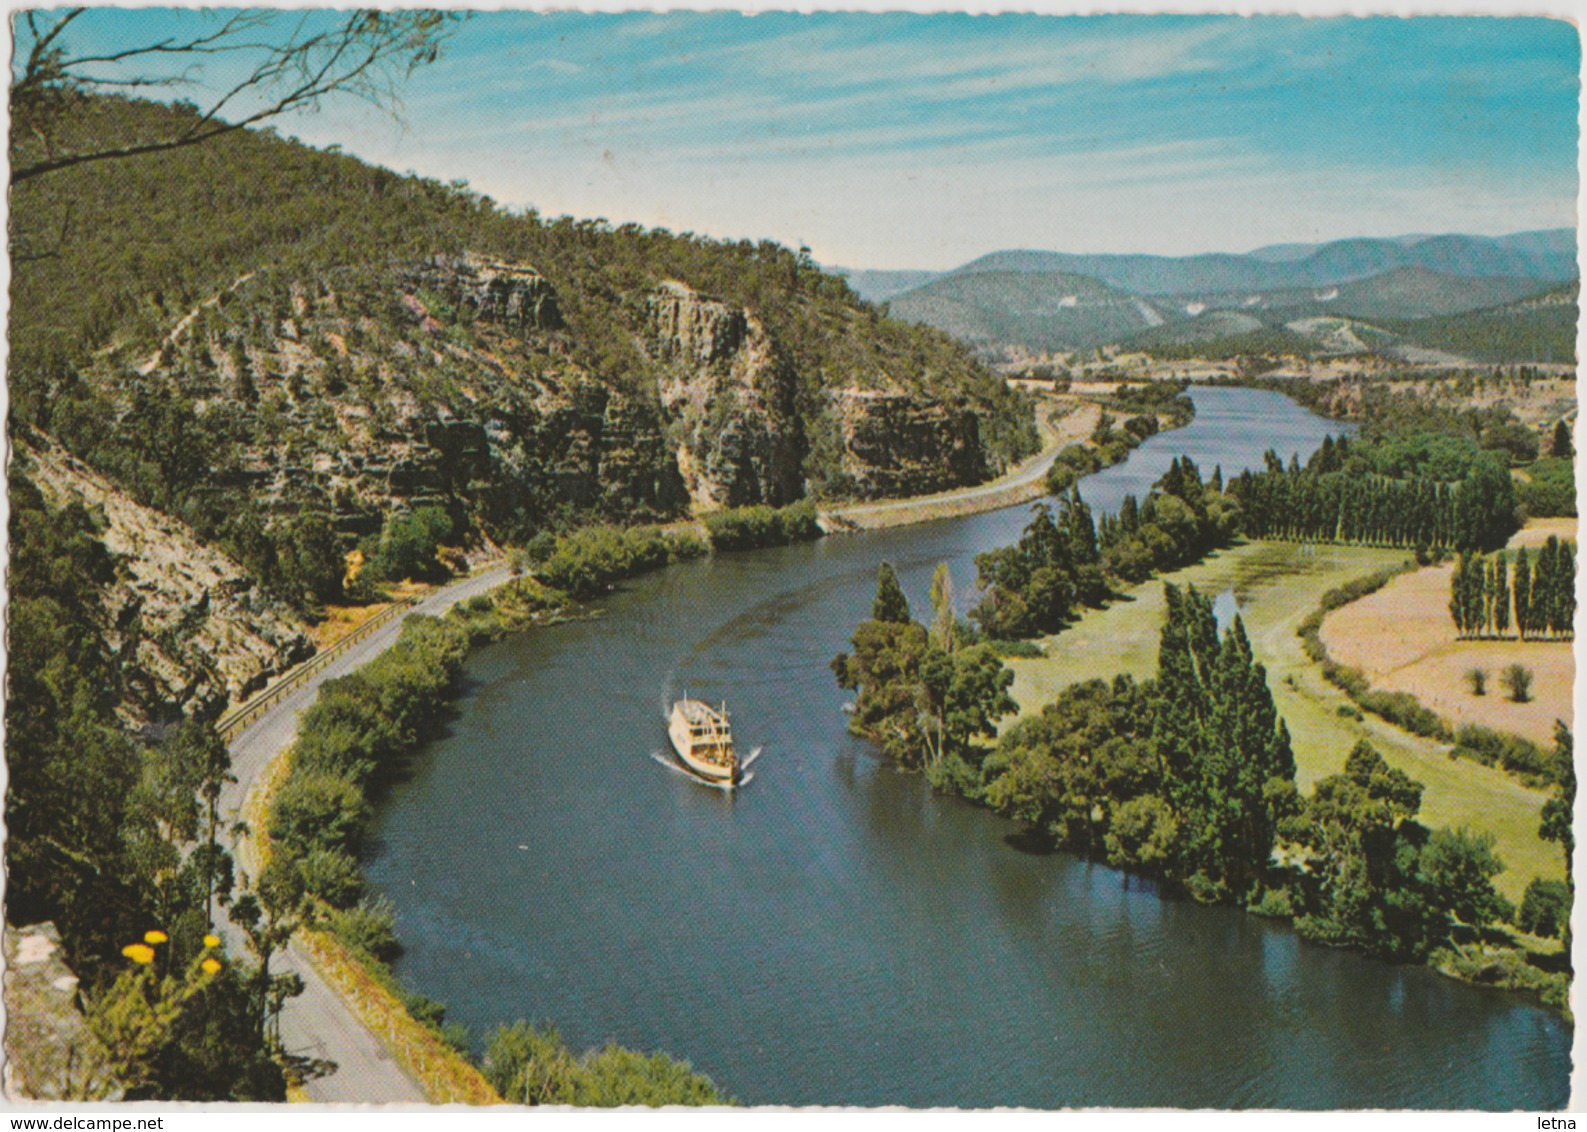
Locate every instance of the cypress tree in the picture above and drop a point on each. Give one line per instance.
(890, 604)
(1476, 595)
(1490, 593)
(1562, 446)
(1220, 745)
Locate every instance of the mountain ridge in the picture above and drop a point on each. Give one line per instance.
(1545, 254)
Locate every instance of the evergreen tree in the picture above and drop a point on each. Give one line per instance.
(1562, 448)
(890, 605)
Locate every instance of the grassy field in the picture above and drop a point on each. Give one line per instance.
(1276, 585)
(1423, 657)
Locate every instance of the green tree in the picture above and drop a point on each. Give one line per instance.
(890, 605)
(1457, 868)
(1558, 824)
(1545, 908)
(1225, 752)
(1523, 593)
(1561, 447)
(944, 619)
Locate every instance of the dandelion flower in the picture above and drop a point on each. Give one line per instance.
(138, 953)
(210, 965)
(212, 940)
(156, 936)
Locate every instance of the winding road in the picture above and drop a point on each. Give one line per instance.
(318, 1024)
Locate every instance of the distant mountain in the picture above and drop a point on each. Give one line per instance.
(1549, 256)
(1038, 311)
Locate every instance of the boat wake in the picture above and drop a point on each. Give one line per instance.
(676, 767)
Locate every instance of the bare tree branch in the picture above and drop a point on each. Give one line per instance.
(364, 54)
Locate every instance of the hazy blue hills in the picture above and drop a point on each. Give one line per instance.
(1046, 301)
(1549, 256)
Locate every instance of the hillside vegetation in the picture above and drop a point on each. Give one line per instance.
(253, 328)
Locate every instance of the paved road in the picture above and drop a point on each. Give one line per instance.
(318, 1023)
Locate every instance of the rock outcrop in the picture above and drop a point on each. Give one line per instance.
(193, 632)
(897, 445)
(730, 394)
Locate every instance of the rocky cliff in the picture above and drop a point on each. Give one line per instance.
(193, 633)
(897, 445)
(459, 381)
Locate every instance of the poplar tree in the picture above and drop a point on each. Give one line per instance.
(1224, 754)
(1523, 593)
(1501, 595)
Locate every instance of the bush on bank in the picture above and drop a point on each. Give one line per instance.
(743, 528)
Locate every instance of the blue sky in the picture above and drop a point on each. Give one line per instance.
(906, 140)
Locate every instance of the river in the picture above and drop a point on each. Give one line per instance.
(833, 933)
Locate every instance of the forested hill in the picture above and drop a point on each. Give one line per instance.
(365, 340)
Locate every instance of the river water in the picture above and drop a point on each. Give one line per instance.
(835, 934)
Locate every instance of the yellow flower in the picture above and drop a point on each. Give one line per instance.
(156, 936)
(212, 941)
(138, 953)
(210, 965)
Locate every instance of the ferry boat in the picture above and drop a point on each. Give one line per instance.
(703, 740)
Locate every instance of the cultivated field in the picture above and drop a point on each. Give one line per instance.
(1402, 638)
(1276, 585)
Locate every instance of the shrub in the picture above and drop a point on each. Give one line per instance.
(1025, 649)
(333, 876)
(316, 810)
(407, 545)
(741, 528)
(532, 1065)
(368, 927)
(1477, 680)
(586, 561)
(1515, 754)
(1517, 680)
(1276, 903)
